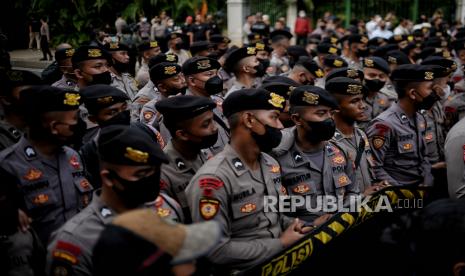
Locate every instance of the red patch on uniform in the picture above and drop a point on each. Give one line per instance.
(450, 109)
(210, 183)
(338, 159)
(69, 247)
(163, 184)
(207, 192)
(73, 161)
(381, 128)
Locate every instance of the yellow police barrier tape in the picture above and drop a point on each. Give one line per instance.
(290, 259)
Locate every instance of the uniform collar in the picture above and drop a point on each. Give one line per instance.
(404, 119)
(104, 212)
(179, 162)
(29, 152)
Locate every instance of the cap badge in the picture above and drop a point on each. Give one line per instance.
(71, 99)
(136, 155)
(105, 100)
(354, 89)
(333, 40)
(203, 64)
(251, 50)
(170, 70)
(364, 39)
(392, 60)
(114, 45)
(69, 52)
(429, 75)
(319, 73)
(93, 53)
(276, 100)
(337, 63)
(351, 73)
(332, 50)
(369, 62)
(170, 57)
(153, 44)
(310, 98)
(260, 46)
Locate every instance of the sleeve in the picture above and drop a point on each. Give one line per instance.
(455, 160)
(208, 200)
(380, 136)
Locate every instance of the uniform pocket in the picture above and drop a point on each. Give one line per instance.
(246, 207)
(407, 146)
(40, 198)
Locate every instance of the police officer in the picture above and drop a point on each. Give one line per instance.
(350, 138)
(323, 50)
(332, 62)
(149, 91)
(305, 71)
(201, 48)
(12, 124)
(347, 73)
(376, 72)
(147, 50)
(357, 49)
(120, 78)
(397, 135)
(68, 80)
(130, 173)
(230, 187)
(311, 166)
(50, 176)
(246, 68)
(190, 122)
(175, 46)
(279, 62)
(91, 66)
(222, 44)
(263, 55)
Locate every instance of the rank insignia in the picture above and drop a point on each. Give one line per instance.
(302, 188)
(248, 208)
(136, 155)
(274, 169)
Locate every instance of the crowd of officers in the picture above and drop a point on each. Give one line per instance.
(207, 132)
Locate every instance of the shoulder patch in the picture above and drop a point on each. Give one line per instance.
(378, 141)
(210, 183)
(381, 128)
(208, 208)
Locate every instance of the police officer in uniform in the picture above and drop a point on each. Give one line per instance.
(397, 135)
(357, 50)
(279, 62)
(350, 138)
(120, 78)
(12, 124)
(245, 66)
(50, 176)
(306, 71)
(91, 66)
(147, 50)
(230, 187)
(175, 46)
(68, 81)
(190, 121)
(454, 151)
(311, 166)
(202, 80)
(130, 173)
(347, 73)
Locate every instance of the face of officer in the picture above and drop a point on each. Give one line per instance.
(374, 79)
(352, 108)
(208, 82)
(93, 72)
(200, 132)
(173, 86)
(130, 186)
(265, 128)
(150, 53)
(117, 113)
(66, 67)
(422, 95)
(303, 77)
(314, 122)
(250, 65)
(120, 61)
(57, 127)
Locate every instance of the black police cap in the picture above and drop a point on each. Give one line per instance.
(254, 37)
(10, 79)
(170, 57)
(217, 38)
(311, 66)
(327, 48)
(448, 64)
(345, 86)
(376, 63)
(334, 61)
(345, 72)
(382, 50)
(44, 98)
(261, 46)
(281, 88)
(236, 55)
(459, 44)
(357, 38)
(376, 42)
(89, 53)
(182, 108)
(331, 40)
(297, 51)
(397, 39)
(309, 95)
(282, 79)
(280, 34)
(130, 146)
(63, 54)
(116, 46)
(147, 45)
(252, 99)
(199, 46)
(173, 35)
(413, 72)
(397, 57)
(163, 71)
(99, 96)
(199, 64)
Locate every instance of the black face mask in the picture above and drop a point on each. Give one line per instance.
(427, 101)
(206, 141)
(79, 130)
(269, 140)
(102, 78)
(136, 193)
(120, 67)
(261, 70)
(362, 53)
(451, 84)
(374, 85)
(321, 131)
(175, 91)
(214, 85)
(265, 64)
(122, 118)
(178, 45)
(308, 82)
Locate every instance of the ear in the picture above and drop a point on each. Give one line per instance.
(248, 119)
(161, 87)
(296, 119)
(78, 73)
(182, 135)
(104, 175)
(190, 81)
(302, 77)
(52, 125)
(411, 94)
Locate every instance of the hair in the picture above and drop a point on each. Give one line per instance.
(176, 125)
(296, 109)
(234, 120)
(402, 87)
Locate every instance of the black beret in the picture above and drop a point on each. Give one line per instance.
(217, 38)
(376, 63)
(254, 37)
(182, 108)
(376, 42)
(397, 39)
(116, 46)
(331, 40)
(334, 61)
(345, 86)
(281, 88)
(411, 46)
(440, 71)
(164, 70)
(357, 38)
(297, 51)
(435, 42)
(170, 57)
(382, 50)
(309, 64)
(413, 72)
(199, 46)
(63, 54)
(129, 145)
(261, 46)
(442, 53)
(427, 51)
(448, 64)
(89, 53)
(43, 98)
(397, 57)
(10, 79)
(282, 79)
(147, 45)
(252, 99)
(173, 35)
(309, 95)
(279, 34)
(326, 48)
(99, 96)
(459, 44)
(345, 72)
(236, 55)
(199, 64)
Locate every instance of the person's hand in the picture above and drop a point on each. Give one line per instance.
(439, 165)
(376, 187)
(322, 219)
(24, 221)
(293, 233)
